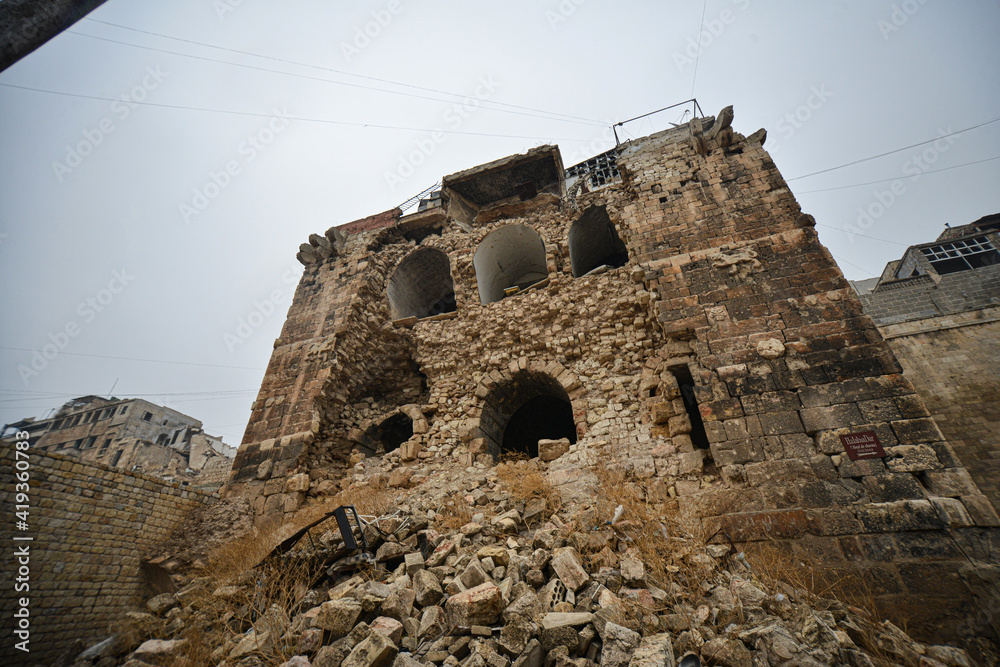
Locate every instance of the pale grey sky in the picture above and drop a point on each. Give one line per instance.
(167, 230)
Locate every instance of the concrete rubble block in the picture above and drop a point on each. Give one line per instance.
(516, 635)
(619, 645)
(162, 603)
(399, 605)
(557, 619)
(427, 588)
(433, 623)
(376, 650)
(550, 450)
(474, 575)
(481, 605)
(390, 627)
(566, 564)
(414, 562)
(726, 652)
(338, 617)
(531, 656)
(633, 571)
(654, 651)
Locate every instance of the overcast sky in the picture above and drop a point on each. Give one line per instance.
(138, 241)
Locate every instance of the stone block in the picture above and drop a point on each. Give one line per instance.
(550, 450)
(480, 605)
(427, 588)
(916, 431)
(566, 564)
(950, 483)
(831, 417)
(433, 623)
(981, 511)
(376, 650)
(338, 617)
(781, 422)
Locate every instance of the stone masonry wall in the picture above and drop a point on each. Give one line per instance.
(89, 524)
(725, 283)
(953, 364)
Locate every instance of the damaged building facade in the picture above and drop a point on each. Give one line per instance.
(666, 307)
(132, 434)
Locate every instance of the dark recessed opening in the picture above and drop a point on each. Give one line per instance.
(395, 430)
(594, 242)
(542, 417)
(699, 438)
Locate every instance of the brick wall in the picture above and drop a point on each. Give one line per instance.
(953, 361)
(920, 297)
(91, 524)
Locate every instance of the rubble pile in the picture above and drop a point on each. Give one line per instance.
(516, 585)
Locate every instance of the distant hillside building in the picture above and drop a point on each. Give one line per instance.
(132, 434)
(939, 309)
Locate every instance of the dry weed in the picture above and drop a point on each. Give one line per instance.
(455, 513)
(523, 480)
(651, 526)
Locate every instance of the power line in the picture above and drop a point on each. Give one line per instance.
(886, 180)
(874, 238)
(866, 159)
(271, 115)
(860, 268)
(153, 361)
(336, 71)
(316, 78)
(697, 54)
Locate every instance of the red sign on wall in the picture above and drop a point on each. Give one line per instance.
(863, 445)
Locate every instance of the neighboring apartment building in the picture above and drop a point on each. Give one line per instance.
(939, 309)
(135, 435)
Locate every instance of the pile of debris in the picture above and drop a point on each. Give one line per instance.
(496, 593)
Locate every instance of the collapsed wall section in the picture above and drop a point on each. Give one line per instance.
(90, 526)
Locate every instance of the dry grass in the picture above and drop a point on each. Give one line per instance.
(455, 513)
(652, 528)
(270, 591)
(774, 565)
(524, 481)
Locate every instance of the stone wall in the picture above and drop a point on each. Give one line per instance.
(927, 296)
(719, 361)
(953, 362)
(90, 526)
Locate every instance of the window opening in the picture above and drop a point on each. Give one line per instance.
(509, 260)
(699, 438)
(422, 286)
(962, 255)
(594, 242)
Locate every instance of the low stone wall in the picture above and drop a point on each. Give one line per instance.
(90, 525)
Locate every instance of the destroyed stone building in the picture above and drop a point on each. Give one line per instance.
(132, 434)
(665, 307)
(938, 307)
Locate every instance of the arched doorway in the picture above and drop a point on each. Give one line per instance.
(594, 242)
(421, 286)
(524, 409)
(512, 256)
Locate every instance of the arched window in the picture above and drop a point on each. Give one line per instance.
(421, 285)
(594, 242)
(512, 256)
(525, 409)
